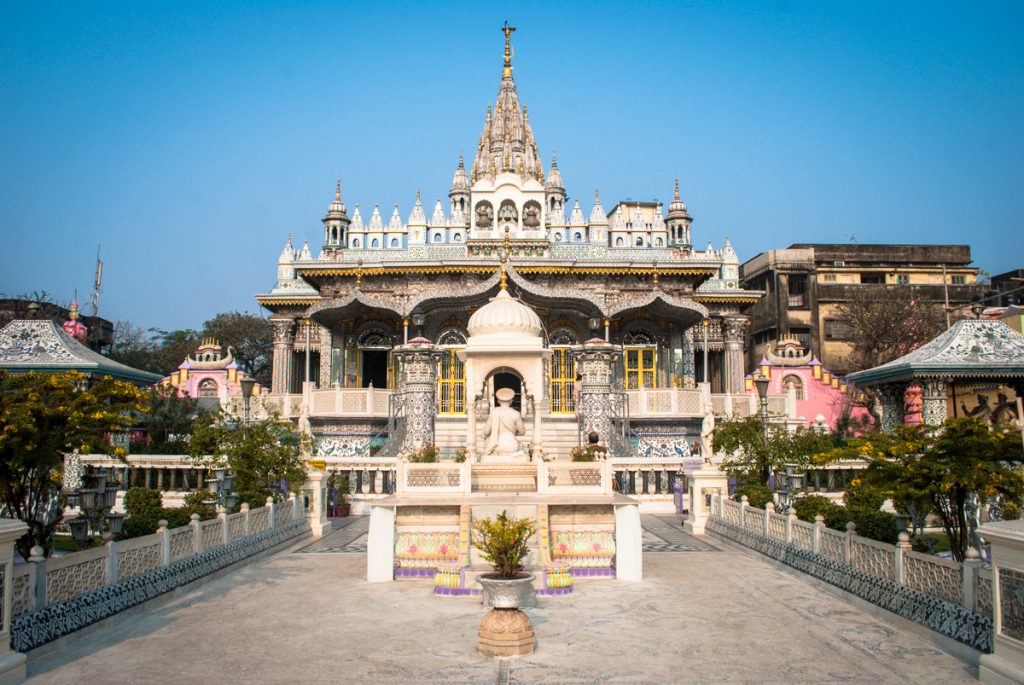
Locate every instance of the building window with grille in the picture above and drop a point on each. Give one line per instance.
(797, 292)
(640, 356)
(837, 329)
(958, 279)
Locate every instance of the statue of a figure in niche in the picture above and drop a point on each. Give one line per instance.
(484, 215)
(502, 431)
(508, 213)
(531, 217)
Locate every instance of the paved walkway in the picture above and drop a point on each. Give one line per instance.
(703, 614)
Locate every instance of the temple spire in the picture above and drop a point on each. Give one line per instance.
(507, 30)
(337, 193)
(677, 189)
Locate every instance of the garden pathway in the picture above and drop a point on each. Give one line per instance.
(704, 613)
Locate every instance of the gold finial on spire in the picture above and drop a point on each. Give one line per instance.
(503, 282)
(507, 30)
(417, 195)
(677, 188)
(337, 193)
(597, 199)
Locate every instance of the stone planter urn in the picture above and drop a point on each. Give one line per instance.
(505, 630)
(508, 593)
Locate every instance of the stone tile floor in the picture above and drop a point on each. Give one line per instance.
(699, 616)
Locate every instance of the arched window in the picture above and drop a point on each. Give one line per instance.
(558, 237)
(795, 382)
(437, 237)
(375, 244)
(657, 241)
(355, 242)
(578, 237)
(207, 388)
(639, 241)
(618, 242)
(394, 242)
(453, 336)
(457, 238)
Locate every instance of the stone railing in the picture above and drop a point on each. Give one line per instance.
(57, 596)
(355, 402)
(580, 477)
(951, 598)
(647, 478)
(442, 477)
(645, 402)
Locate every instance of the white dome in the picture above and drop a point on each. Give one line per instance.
(504, 315)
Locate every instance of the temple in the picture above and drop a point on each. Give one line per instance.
(630, 277)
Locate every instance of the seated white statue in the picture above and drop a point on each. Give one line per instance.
(503, 428)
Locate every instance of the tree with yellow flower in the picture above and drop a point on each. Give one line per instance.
(941, 469)
(44, 416)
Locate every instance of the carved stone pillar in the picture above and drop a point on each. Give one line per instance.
(933, 402)
(284, 336)
(418, 363)
(893, 405)
(594, 365)
(689, 368)
(735, 329)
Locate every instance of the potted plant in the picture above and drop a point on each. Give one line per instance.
(339, 487)
(503, 542)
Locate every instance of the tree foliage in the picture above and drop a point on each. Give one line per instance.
(160, 351)
(252, 338)
(887, 322)
(941, 469)
(754, 451)
(42, 418)
(166, 421)
(265, 456)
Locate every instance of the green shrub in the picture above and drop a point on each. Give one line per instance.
(860, 495)
(875, 524)
(138, 501)
(424, 455)
(202, 502)
(139, 525)
(871, 523)
(757, 494)
(503, 542)
(810, 506)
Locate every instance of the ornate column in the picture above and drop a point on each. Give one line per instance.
(284, 336)
(689, 368)
(735, 329)
(594, 365)
(893, 405)
(933, 402)
(418, 362)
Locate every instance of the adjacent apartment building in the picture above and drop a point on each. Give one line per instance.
(804, 285)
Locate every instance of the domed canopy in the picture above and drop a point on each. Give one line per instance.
(505, 317)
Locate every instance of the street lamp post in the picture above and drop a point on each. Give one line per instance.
(95, 498)
(761, 383)
(247, 387)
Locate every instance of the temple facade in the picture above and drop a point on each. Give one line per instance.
(630, 277)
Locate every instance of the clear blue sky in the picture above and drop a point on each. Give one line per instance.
(189, 138)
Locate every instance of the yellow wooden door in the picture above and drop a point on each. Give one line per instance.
(451, 396)
(563, 381)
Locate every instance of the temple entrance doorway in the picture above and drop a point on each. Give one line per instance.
(375, 368)
(503, 379)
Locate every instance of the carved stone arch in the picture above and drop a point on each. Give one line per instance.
(639, 335)
(375, 336)
(207, 388)
(563, 335)
(452, 337)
